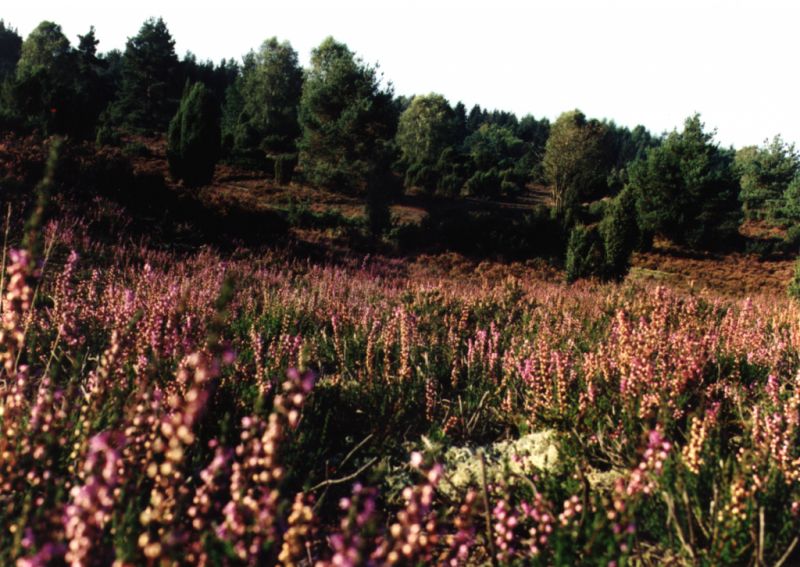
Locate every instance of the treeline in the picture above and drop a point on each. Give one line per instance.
(338, 124)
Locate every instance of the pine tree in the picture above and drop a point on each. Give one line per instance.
(150, 79)
(345, 115)
(10, 48)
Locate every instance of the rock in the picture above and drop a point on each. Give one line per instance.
(524, 456)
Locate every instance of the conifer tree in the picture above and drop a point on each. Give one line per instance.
(194, 137)
(150, 79)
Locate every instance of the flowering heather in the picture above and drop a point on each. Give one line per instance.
(152, 415)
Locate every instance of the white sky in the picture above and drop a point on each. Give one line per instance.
(634, 61)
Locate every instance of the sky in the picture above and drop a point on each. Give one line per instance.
(650, 62)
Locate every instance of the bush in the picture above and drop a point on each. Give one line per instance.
(421, 176)
(135, 149)
(449, 185)
(794, 285)
(194, 137)
(483, 184)
(107, 136)
(620, 234)
(585, 256)
(284, 168)
(791, 241)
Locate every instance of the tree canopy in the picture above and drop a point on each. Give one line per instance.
(573, 159)
(347, 118)
(151, 82)
(765, 174)
(686, 189)
(10, 48)
(271, 86)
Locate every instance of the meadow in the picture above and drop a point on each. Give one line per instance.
(249, 407)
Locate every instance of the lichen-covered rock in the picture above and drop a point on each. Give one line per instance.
(520, 457)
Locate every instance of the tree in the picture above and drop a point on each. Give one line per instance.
(620, 233)
(194, 137)
(10, 49)
(216, 78)
(93, 90)
(494, 150)
(426, 129)
(765, 174)
(44, 89)
(686, 189)
(585, 257)
(345, 116)
(150, 79)
(794, 285)
(534, 134)
(475, 118)
(791, 201)
(379, 216)
(573, 159)
(271, 90)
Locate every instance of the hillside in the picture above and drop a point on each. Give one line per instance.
(732, 273)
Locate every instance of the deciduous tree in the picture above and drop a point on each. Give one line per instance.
(573, 158)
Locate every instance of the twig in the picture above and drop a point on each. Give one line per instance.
(5, 248)
(689, 515)
(486, 513)
(761, 535)
(671, 509)
(343, 479)
(356, 448)
(788, 552)
(31, 312)
(52, 352)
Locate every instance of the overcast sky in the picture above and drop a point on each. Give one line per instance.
(635, 61)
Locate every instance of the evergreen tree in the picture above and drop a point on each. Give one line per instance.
(93, 92)
(764, 176)
(475, 119)
(791, 201)
(620, 234)
(686, 189)
(345, 115)
(150, 79)
(10, 49)
(194, 137)
(585, 257)
(794, 285)
(378, 212)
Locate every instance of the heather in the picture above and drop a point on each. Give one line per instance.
(250, 407)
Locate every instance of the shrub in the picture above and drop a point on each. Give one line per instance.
(483, 184)
(794, 285)
(107, 136)
(379, 215)
(135, 149)
(585, 257)
(620, 234)
(284, 168)
(194, 137)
